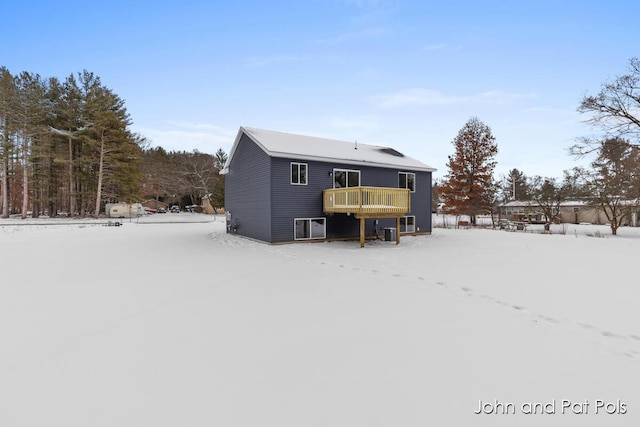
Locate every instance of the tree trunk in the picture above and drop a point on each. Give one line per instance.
(100, 167)
(72, 196)
(5, 188)
(25, 177)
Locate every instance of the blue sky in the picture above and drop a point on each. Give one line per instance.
(408, 74)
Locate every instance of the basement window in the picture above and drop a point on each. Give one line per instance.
(309, 228)
(408, 224)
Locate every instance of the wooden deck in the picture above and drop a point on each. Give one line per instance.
(369, 202)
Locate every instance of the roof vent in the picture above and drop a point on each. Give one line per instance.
(391, 151)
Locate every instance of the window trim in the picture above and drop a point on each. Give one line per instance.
(404, 218)
(407, 180)
(299, 166)
(324, 228)
(333, 174)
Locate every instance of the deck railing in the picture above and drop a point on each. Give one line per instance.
(367, 201)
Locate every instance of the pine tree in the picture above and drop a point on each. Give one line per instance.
(7, 131)
(220, 158)
(469, 188)
(30, 115)
(515, 186)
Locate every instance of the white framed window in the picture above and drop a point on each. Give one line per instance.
(309, 228)
(408, 224)
(407, 180)
(346, 178)
(299, 173)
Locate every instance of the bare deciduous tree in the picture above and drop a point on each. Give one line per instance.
(614, 181)
(615, 111)
(548, 194)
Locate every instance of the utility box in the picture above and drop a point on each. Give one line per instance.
(390, 234)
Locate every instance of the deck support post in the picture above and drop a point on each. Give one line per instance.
(397, 230)
(362, 232)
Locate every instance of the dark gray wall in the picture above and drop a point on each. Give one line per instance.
(295, 201)
(305, 201)
(247, 193)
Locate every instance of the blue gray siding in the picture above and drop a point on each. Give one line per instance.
(305, 201)
(247, 190)
(294, 201)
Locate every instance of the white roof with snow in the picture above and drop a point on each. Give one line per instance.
(282, 144)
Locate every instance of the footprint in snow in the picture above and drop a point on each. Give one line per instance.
(549, 319)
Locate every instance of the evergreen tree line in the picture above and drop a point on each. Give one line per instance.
(610, 183)
(66, 147)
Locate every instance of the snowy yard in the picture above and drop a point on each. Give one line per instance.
(170, 322)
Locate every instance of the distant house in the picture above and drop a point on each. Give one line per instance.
(522, 210)
(282, 187)
(570, 211)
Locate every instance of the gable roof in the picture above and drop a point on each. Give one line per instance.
(302, 147)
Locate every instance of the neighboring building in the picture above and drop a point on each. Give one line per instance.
(571, 211)
(282, 187)
(522, 210)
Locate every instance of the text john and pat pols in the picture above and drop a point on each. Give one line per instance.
(555, 406)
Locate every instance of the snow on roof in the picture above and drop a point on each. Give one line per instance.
(282, 144)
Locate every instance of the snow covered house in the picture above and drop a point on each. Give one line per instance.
(282, 187)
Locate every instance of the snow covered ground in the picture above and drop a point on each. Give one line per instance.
(168, 321)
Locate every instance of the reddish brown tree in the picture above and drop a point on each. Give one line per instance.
(469, 188)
